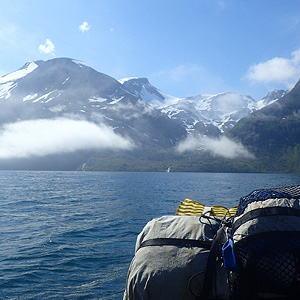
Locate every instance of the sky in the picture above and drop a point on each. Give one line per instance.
(184, 47)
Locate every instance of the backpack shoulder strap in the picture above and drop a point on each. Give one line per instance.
(210, 271)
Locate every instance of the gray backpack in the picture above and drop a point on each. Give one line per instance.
(171, 258)
(265, 237)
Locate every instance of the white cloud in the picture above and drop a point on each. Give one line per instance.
(84, 27)
(223, 147)
(44, 137)
(47, 48)
(277, 70)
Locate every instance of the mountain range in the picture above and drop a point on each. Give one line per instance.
(132, 125)
(221, 111)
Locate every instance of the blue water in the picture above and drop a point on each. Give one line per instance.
(71, 235)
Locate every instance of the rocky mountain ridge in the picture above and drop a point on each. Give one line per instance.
(216, 114)
(68, 88)
(62, 78)
(131, 108)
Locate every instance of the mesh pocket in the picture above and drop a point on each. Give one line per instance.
(271, 260)
(264, 194)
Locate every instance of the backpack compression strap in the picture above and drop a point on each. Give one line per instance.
(263, 212)
(211, 264)
(187, 243)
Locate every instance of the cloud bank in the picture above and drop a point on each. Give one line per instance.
(47, 48)
(44, 137)
(84, 27)
(223, 147)
(277, 70)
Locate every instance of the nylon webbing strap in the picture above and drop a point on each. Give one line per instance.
(265, 212)
(187, 243)
(210, 270)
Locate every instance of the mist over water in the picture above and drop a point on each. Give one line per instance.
(222, 146)
(71, 235)
(42, 137)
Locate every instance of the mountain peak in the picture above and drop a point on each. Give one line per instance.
(271, 97)
(70, 81)
(22, 72)
(137, 80)
(142, 88)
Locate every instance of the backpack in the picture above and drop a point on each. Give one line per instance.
(265, 237)
(170, 260)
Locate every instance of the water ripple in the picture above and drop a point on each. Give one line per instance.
(71, 235)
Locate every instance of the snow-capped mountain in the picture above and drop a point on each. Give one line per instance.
(64, 87)
(270, 98)
(272, 133)
(67, 89)
(206, 114)
(221, 110)
(142, 88)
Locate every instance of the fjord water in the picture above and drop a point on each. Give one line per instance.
(71, 235)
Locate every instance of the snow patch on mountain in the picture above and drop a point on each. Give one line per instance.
(270, 98)
(66, 80)
(45, 97)
(123, 80)
(6, 88)
(116, 100)
(80, 63)
(28, 68)
(221, 110)
(141, 88)
(30, 97)
(97, 100)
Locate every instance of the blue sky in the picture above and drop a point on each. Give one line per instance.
(184, 47)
